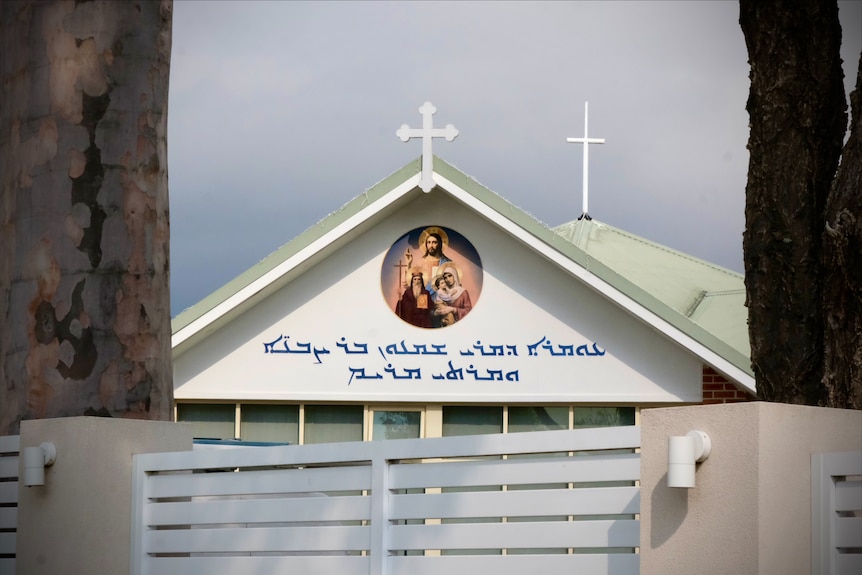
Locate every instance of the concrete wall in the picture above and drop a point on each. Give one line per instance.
(751, 509)
(80, 520)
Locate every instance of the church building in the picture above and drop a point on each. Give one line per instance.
(429, 306)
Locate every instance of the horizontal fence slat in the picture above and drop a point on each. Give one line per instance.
(848, 496)
(298, 507)
(9, 492)
(530, 503)
(848, 563)
(7, 543)
(257, 540)
(10, 443)
(617, 467)
(621, 533)
(627, 437)
(7, 566)
(618, 564)
(256, 564)
(260, 482)
(8, 517)
(9, 467)
(324, 454)
(848, 532)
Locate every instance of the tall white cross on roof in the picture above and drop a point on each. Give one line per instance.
(427, 132)
(586, 141)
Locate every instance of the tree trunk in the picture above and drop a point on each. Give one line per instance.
(803, 237)
(84, 300)
(842, 262)
(797, 120)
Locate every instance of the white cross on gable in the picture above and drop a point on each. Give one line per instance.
(427, 132)
(586, 141)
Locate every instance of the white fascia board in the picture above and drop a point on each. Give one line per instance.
(600, 285)
(428, 397)
(303, 255)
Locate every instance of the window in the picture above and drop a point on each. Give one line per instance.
(396, 424)
(275, 423)
(292, 423)
(530, 418)
(210, 421)
(472, 420)
(333, 423)
(603, 416)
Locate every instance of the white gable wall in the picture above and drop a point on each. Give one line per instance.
(524, 298)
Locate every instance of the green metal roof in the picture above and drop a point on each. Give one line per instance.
(703, 301)
(711, 296)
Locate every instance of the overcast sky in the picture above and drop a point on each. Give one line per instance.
(281, 112)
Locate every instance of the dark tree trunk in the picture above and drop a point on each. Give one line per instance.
(802, 238)
(84, 301)
(842, 262)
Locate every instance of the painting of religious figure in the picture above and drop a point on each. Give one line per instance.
(431, 277)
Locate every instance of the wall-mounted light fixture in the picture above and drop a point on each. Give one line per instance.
(36, 459)
(683, 451)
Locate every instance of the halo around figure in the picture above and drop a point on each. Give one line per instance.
(434, 230)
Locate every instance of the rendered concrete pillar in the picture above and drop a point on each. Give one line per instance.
(750, 511)
(79, 521)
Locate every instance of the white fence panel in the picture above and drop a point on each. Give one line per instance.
(553, 502)
(836, 513)
(9, 447)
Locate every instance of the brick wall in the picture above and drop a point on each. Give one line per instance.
(717, 389)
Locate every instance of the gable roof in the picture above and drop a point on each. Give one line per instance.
(690, 301)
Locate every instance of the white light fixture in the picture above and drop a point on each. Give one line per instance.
(36, 459)
(683, 451)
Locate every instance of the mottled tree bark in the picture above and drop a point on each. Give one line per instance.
(84, 300)
(797, 119)
(842, 264)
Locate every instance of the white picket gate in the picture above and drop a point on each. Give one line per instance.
(836, 513)
(545, 502)
(9, 445)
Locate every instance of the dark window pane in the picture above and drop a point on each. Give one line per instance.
(472, 420)
(275, 423)
(537, 418)
(603, 416)
(396, 425)
(333, 423)
(210, 421)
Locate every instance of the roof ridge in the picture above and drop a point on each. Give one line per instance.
(723, 292)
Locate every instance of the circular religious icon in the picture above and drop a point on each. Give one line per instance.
(431, 277)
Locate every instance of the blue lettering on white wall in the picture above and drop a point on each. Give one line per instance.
(283, 345)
